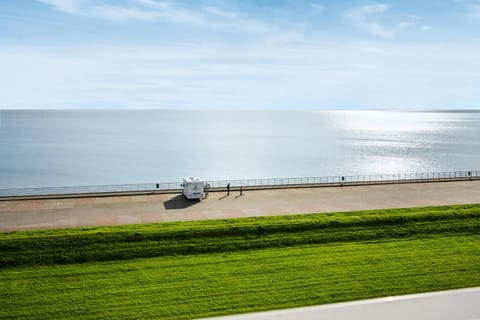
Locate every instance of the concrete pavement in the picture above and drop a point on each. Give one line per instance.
(460, 304)
(101, 211)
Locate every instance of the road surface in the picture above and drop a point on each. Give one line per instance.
(463, 304)
(101, 211)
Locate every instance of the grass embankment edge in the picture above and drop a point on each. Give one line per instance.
(200, 237)
(199, 269)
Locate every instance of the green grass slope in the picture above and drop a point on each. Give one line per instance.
(198, 269)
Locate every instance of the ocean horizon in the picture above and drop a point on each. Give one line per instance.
(41, 148)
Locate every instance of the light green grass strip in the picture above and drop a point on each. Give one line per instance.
(186, 287)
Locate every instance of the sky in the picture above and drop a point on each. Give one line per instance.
(239, 54)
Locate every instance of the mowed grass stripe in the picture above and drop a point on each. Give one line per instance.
(182, 287)
(128, 242)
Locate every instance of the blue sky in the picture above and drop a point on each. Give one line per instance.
(221, 54)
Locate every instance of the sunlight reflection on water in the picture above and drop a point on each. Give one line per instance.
(52, 148)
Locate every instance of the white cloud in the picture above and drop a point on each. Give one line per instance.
(360, 17)
(474, 11)
(220, 13)
(363, 18)
(121, 13)
(366, 66)
(151, 10)
(154, 4)
(140, 10)
(68, 6)
(404, 24)
(322, 75)
(318, 8)
(288, 37)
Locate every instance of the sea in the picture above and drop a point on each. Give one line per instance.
(40, 148)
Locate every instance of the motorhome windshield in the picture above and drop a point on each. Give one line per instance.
(196, 186)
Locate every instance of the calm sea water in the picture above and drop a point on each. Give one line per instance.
(61, 148)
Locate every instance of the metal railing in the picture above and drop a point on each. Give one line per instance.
(43, 191)
(250, 183)
(352, 179)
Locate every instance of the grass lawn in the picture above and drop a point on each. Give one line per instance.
(198, 269)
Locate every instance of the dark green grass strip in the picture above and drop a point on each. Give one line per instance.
(200, 237)
(200, 285)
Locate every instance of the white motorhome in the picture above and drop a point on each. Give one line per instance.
(194, 188)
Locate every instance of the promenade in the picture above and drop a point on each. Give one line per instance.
(112, 210)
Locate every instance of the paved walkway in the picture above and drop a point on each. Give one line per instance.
(444, 305)
(100, 211)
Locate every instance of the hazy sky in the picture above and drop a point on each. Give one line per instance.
(239, 54)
